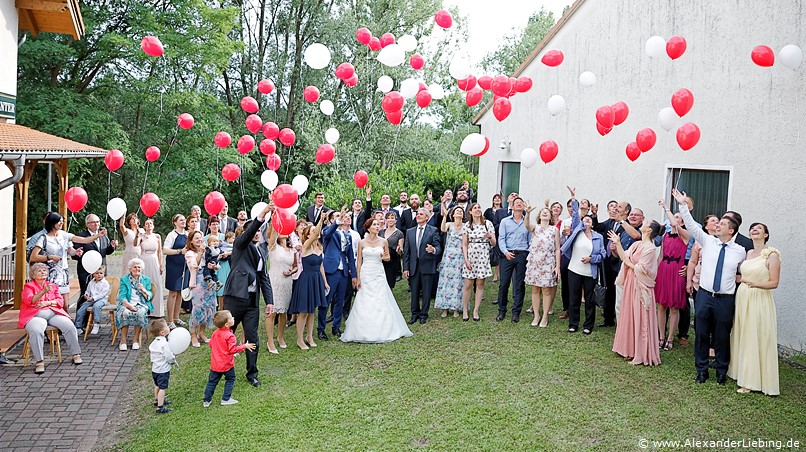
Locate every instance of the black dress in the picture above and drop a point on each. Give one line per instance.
(392, 268)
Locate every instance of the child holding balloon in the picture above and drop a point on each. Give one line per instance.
(161, 359)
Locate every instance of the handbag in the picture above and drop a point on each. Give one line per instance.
(600, 290)
(187, 293)
(495, 256)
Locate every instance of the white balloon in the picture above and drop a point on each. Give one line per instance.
(332, 135)
(269, 179)
(327, 107)
(473, 144)
(392, 55)
(317, 56)
(791, 56)
(587, 78)
(407, 42)
(91, 261)
(667, 118)
(556, 104)
(116, 208)
(459, 67)
(436, 91)
(385, 83)
(409, 88)
(256, 209)
(528, 157)
(294, 208)
(655, 47)
(300, 182)
(178, 340)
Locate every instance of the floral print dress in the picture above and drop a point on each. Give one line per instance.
(451, 283)
(478, 251)
(542, 260)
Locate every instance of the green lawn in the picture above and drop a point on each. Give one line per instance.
(455, 386)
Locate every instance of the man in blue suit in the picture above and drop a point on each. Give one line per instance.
(339, 264)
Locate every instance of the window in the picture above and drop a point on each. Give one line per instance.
(510, 179)
(709, 188)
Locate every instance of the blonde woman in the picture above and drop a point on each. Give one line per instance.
(312, 288)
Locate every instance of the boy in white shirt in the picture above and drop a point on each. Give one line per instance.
(161, 359)
(96, 296)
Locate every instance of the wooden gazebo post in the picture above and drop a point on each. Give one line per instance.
(20, 271)
(61, 169)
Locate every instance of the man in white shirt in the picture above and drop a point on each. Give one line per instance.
(404, 204)
(226, 223)
(715, 303)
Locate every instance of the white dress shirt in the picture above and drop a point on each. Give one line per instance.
(711, 246)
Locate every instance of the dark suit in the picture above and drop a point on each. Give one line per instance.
(337, 279)
(310, 215)
(744, 242)
(611, 266)
(202, 227)
(422, 267)
(242, 303)
(407, 220)
(104, 247)
(361, 218)
(231, 224)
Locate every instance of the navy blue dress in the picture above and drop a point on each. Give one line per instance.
(309, 292)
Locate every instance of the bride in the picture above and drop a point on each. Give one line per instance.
(375, 316)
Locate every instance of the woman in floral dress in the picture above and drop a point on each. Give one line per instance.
(543, 262)
(451, 283)
(204, 300)
(477, 239)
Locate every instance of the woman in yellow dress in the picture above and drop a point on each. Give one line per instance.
(754, 339)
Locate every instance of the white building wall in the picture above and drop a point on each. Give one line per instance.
(8, 84)
(752, 119)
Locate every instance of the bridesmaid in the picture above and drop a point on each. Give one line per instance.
(175, 269)
(543, 263)
(130, 229)
(312, 287)
(282, 266)
(204, 301)
(478, 237)
(636, 329)
(670, 285)
(449, 288)
(150, 245)
(754, 340)
(394, 237)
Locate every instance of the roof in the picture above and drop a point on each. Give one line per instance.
(17, 140)
(51, 16)
(538, 48)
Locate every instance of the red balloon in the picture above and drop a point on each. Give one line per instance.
(474, 96)
(287, 137)
(386, 39)
(361, 178)
(548, 151)
(249, 104)
(222, 139)
(620, 112)
(268, 147)
(283, 221)
(253, 123)
(363, 35)
(352, 81)
(763, 56)
(633, 151)
(245, 144)
(523, 84)
(486, 148)
(395, 117)
(374, 44)
(688, 135)
(645, 139)
(501, 85)
(230, 172)
(152, 46)
(185, 121)
(345, 71)
(675, 47)
(485, 82)
(501, 108)
(325, 153)
(265, 86)
(602, 130)
(682, 101)
(284, 196)
(113, 160)
(552, 58)
(152, 153)
(443, 18)
(393, 101)
(311, 93)
(273, 162)
(605, 116)
(75, 198)
(214, 203)
(421, 87)
(416, 61)
(271, 130)
(467, 84)
(149, 204)
(423, 98)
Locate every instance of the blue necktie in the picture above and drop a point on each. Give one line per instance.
(720, 262)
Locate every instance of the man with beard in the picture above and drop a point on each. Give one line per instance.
(408, 218)
(404, 204)
(242, 217)
(463, 201)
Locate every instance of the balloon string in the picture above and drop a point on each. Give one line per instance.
(680, 174)
(170, 145)
(109, 186)
(243, 193)
(217, 166)
(627, 190)
(145, 179)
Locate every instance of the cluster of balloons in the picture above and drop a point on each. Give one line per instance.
(548, 152)
(609, 116)
(791, 56)
(502, 87)
(674, 47)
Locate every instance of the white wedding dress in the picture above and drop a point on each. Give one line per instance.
(375, 316)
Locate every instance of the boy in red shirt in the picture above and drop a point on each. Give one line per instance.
(222, 358)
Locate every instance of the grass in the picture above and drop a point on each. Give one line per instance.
(460, 385)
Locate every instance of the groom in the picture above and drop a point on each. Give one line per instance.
(420, 252)
(339, 263)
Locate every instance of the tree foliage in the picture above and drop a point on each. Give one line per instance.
(517, 46)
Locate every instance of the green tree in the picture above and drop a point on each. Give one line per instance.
(519, 44)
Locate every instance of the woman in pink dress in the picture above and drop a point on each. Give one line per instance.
(637, 327)
(670, 284)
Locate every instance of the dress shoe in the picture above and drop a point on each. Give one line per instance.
(721, 379)
(500, 317)
(413, 320)
(254, 382)
(290, 323)
(563, 315)
(702, 376)
(336, 333)
(683, 341)
(516, 318)
(422, 320)
(4, 360)
(321, 335)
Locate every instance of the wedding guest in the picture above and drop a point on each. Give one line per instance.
(670, 285)
(95, 298)
(311, 291)
(214, 226)
(556, 210)
(420, 248)
(150, 245)
(359, 214)
(449, 287)
(463, 201)
(754, 341)
(740, 239)
(102, 245)
(585, 250)
(612, 262)
(241, 219)
(637, 323)
(200, 224)
(204, 299)
(176, 275)
(282, 266)
(429, 208)
(408, 216)
(394, 238)
(513, 242)
(134, 304)
(478, 239)
(296, 245)
(542, 263)
(350, 292)
(694, 269)
(42, 305)
(314, 212)
(386, 205)
(489, 215)
(469, 191)
(225, 222)
(130, 229)
(404, 204)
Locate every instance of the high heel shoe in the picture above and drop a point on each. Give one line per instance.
(303, 346)
(465, 319)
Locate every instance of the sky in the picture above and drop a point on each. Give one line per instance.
(490, 20)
